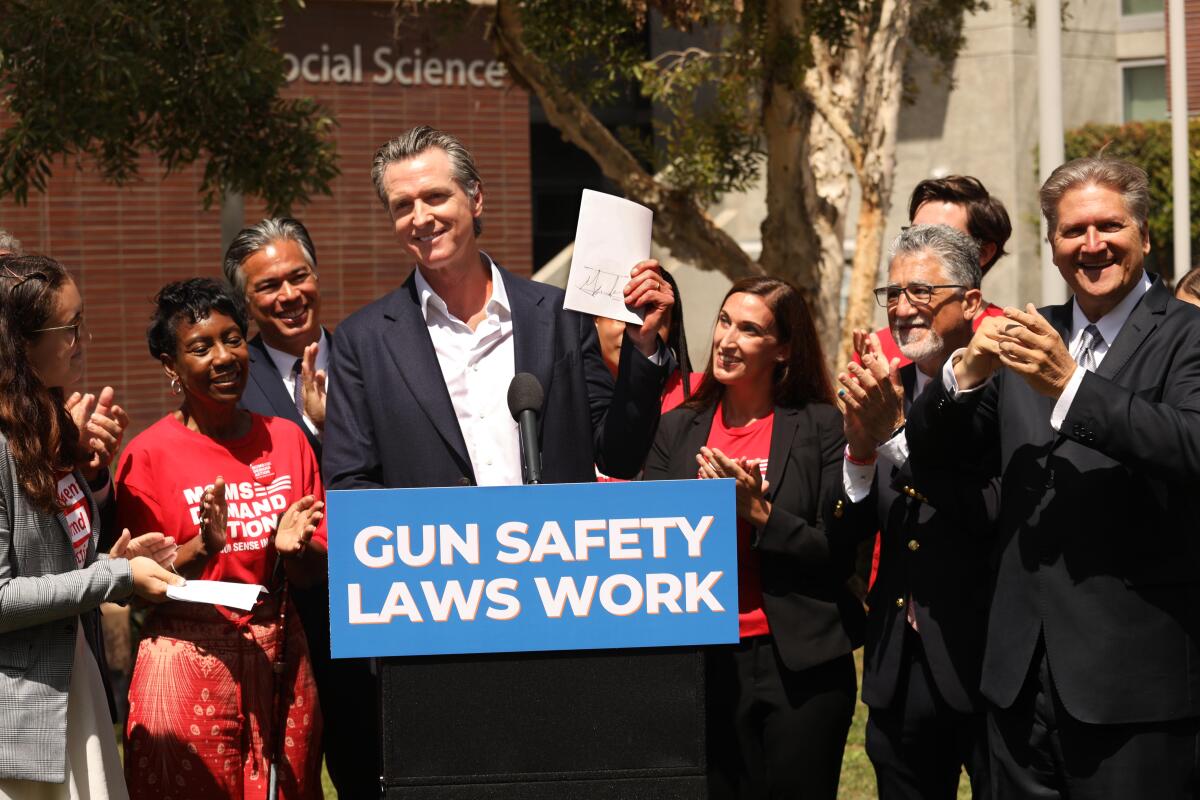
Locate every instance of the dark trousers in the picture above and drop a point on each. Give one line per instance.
(773, 732)
(918, 744)
(349, 697)
(1039, 751)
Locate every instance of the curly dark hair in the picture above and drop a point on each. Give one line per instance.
(193, 299)
(802, 379)
(41, 434)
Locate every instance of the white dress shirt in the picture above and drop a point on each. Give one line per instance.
(286, 362)
(1109, 326)
(477, 366)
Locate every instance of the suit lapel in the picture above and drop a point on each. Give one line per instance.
(1142, 321)
(908, 379)
(533, 329)
(783, 431)
(266, 377)
(408, 342)
(695, 437)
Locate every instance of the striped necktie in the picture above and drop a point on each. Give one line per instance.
(1087, 348)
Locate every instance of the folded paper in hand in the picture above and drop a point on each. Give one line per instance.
(218, 593)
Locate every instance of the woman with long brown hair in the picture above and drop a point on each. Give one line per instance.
(58, 740)
(781, 700)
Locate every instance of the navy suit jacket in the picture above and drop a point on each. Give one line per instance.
(1097, 543)
(265, 393)
(936, 525)
(390, 423)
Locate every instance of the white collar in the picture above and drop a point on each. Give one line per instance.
(1111, 323)
(284, 362)
(497, 303)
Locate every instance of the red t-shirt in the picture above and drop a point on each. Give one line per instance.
(164, 471)
(751, 441)
(76, 510)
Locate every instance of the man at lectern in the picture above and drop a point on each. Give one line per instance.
(419, 377)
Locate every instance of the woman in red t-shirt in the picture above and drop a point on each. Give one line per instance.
(781, 699)
(241, 495)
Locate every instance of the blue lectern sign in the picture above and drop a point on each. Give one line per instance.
(514, 568)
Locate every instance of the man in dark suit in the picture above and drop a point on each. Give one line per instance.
(1092, 660)
(419, 378)
(925, 628)
(274, 266)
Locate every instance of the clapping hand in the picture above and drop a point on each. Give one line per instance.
(214, 513)
(297, 525)
(752, 503)
(1030, 346)
(872, 396)
(101, 423)
(156, 546)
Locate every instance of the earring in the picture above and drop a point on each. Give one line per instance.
(176, 386)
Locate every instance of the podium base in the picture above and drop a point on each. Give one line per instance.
(683, 788)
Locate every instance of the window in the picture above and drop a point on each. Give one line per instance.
(1131, 8)
(1144, 91)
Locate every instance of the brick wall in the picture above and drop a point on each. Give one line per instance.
(123, 244)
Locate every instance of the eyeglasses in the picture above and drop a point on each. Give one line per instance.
(918, 294)
(74, 328)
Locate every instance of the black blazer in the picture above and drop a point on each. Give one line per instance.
(1097, 537)
(390, 423)
(265, 393)
(936, 527)
(813, 616)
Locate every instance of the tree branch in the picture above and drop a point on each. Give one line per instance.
(679, 222)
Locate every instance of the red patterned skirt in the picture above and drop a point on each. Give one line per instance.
(201, 707)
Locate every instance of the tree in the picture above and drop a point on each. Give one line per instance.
(186, 80)
(804, 93)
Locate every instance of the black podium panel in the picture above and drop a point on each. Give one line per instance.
(594, 724)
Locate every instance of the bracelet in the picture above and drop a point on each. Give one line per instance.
(856, 462)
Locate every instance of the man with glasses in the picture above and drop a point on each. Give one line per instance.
(962, 202)
(925, 627)
(274, 266)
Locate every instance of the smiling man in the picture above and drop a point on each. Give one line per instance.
(273, 265)
(420, 376)
(926, 623)
(1090, 412)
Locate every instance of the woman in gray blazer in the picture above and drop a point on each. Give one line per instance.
(55, 730)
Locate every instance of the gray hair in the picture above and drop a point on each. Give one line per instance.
(957, 252)
(417, 140)
(1128, 180)
(250, 240)
(9, 244)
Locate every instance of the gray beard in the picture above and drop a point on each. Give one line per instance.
(929, 345)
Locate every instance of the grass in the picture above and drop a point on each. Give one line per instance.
(858, 776)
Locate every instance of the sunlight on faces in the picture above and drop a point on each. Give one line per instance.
(941, 212)
(745, 347)
(432, 216)
(210, 359)
(1098, 247)
(57, 360)
(283, 297)
(921, 331)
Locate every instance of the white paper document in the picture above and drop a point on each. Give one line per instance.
(612, 237)
(217, 593)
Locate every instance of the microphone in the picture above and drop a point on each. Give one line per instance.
(525, 398)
